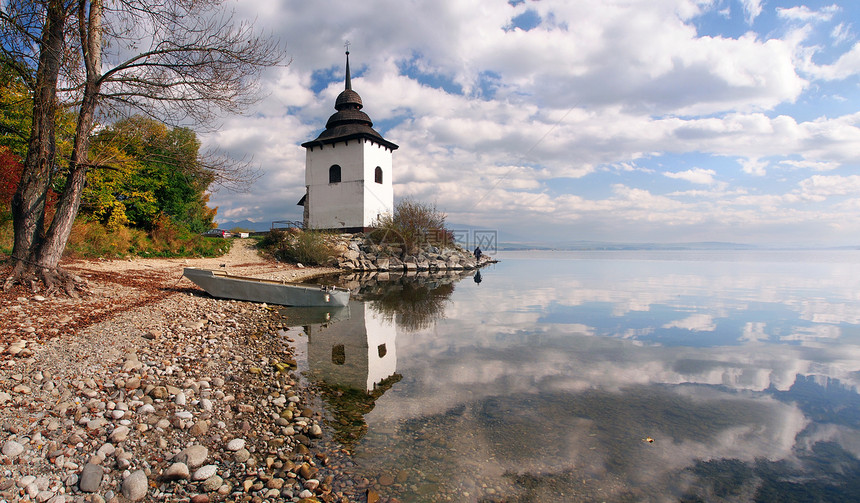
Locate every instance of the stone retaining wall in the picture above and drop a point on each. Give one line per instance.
(357, 253)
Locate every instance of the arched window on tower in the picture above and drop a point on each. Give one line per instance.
(334, 174)
(378, 175)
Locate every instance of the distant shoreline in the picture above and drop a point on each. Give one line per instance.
(668, 247)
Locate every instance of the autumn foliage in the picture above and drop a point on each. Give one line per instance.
(145, 173)
(10, 174)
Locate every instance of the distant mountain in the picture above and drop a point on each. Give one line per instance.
(245, 224)
(704, 245)
(598, 245)
(489, 238)
(492, 240)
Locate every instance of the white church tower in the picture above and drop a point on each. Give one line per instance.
(347, 169)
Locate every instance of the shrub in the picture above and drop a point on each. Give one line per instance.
(6, 233)
(303, 246)
(412, 225)
(92, 239)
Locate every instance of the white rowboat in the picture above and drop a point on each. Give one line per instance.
(226, 286)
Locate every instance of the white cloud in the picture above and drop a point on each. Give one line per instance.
(811, 165)
(696, 175)
(752, 8)
(842, 33)
(820, 187)
(846, 66)
(754, 167)
(804, 13)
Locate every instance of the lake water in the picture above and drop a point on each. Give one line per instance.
(604, 376)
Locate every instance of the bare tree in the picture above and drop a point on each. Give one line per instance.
(179, 61)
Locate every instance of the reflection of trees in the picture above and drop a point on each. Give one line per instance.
(413, 305)
(414, 301)
(349, 405)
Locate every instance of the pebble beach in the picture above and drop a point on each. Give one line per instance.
(146, 389)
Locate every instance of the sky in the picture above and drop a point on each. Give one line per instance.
(553, 121)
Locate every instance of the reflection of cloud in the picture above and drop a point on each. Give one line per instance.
(820, 311)
(593, 432)
(846, 437)
(754, 332)
(821, 292)
(813, 333)
(632, 333)
(568, 377)
(526, 380)
(696, 323)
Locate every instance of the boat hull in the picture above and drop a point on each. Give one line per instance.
(222, 285)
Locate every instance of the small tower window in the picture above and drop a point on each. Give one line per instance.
(334, 174)
(381, 351)
(377, 176)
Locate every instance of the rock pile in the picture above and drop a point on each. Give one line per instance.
(357, 253)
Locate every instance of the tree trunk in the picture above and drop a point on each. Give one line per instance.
(28, 203)
(48, 254)
(51, 250)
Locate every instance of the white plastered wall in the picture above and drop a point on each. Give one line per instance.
(378, 197)
(357, 199)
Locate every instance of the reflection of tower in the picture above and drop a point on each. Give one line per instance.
(356, 353)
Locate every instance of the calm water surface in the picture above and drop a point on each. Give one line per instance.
(605, 376)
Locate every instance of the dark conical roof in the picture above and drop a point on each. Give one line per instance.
(347, 97)
(349, 121)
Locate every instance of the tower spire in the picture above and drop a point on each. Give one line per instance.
(348, 82)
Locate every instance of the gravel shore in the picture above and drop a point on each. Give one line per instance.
(146, 389)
